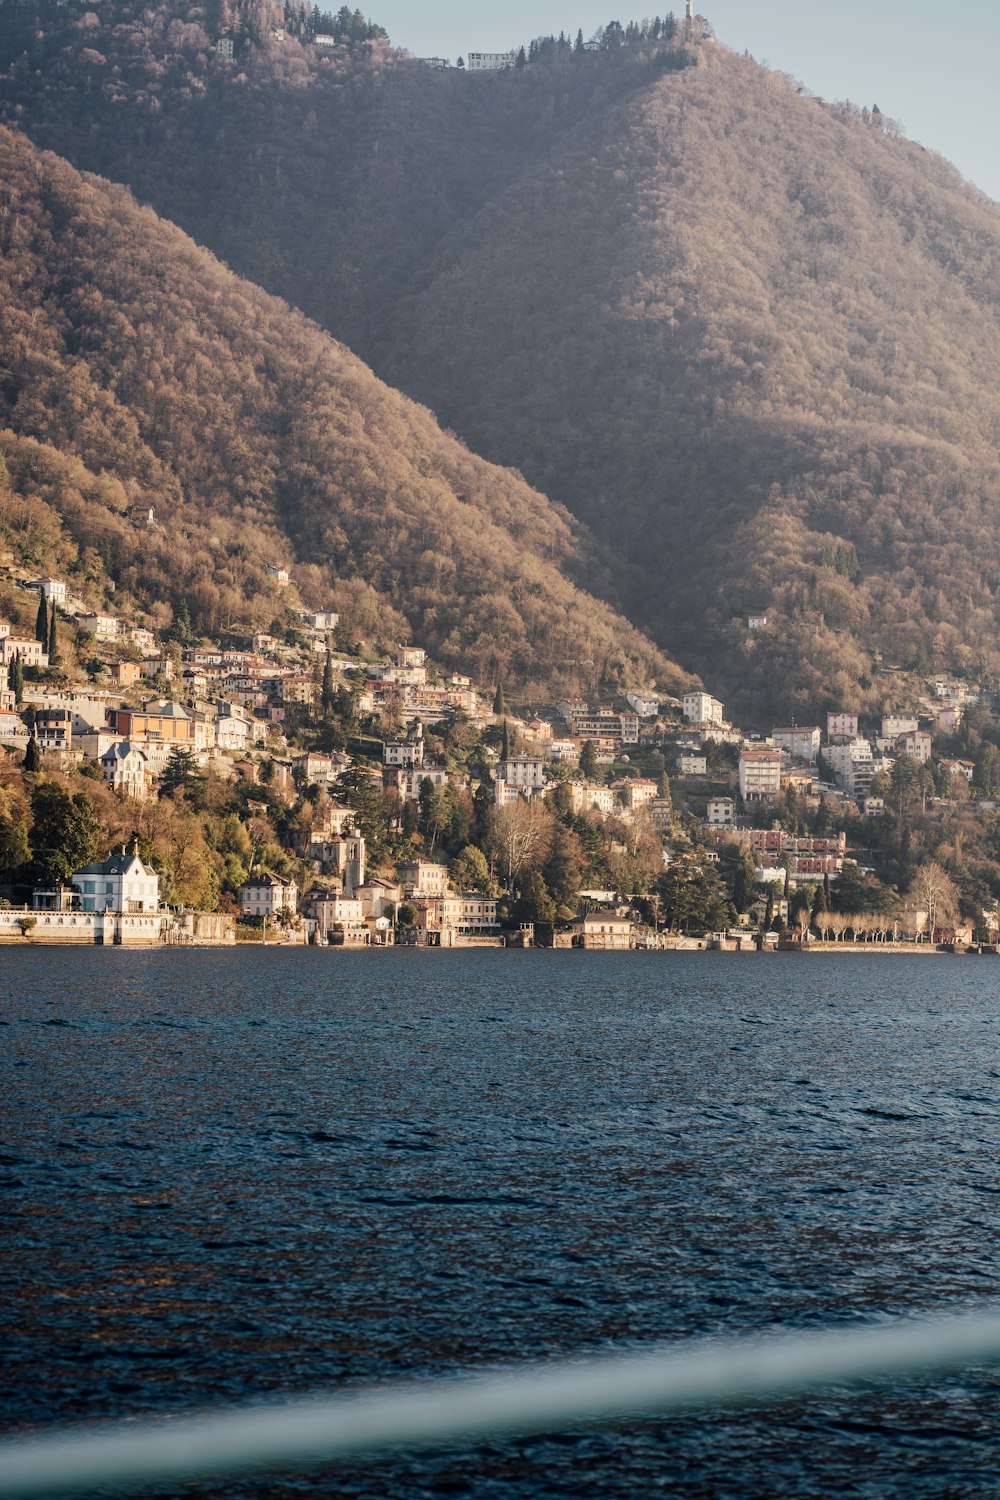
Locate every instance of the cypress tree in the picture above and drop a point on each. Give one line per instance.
(17, 678)
(326, 697)
(505, 743)
(32, 756)
(42, 623)
(499, 702)
(53, 642)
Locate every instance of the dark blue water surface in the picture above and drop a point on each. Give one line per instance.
(242, 1174)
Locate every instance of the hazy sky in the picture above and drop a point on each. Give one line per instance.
(932, 66)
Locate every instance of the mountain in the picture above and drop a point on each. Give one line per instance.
(750, 339)
(137, 371)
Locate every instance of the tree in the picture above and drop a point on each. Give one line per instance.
(519, 838)
(588, 759)
(469, 870)
(499, 701)
(743, 882)
(563, 869)
(521, 60)
(769, 909)
(533, 902)
(578, 46)
(326, 693)
(183, 774)
(42, 623)
(693, 897)
(359, 792)
(936, 894)
(64, 832)
(17, 679)
(32, 756)
(505, 742)
(53, 639)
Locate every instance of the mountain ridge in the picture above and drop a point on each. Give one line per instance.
(737, 331)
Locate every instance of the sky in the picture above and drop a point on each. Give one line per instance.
(931, 66)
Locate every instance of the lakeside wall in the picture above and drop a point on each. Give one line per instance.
(116, 929)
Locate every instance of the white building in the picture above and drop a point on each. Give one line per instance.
(526, 772)
(702, 708)
(102, 627)
(691, 764)
(644, 704)
(423, 877)
(127, 770)
(279, 575)
(121, 883)
(893, 725)
(721, 812)
(917, 744)
(31, 652)
(266, 895)
(760, 774)
(54, 591)
(319, 619)
(591, 796)
(853, 766)
(800, 743)
(489, 62)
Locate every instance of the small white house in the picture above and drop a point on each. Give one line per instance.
(120, 883)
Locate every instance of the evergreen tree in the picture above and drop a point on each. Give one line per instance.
(744, 881)
(588, 759)
(17, 679)
(769, 910)
(64, 832)
(182, 773)
(578, 46)
(505, 742)
(499, 702)
(42, 623)
(32, 756)
(182, 623)
(53, 641)
(819, 906)
(521, 60)
(326, 696)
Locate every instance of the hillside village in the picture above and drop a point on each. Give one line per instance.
(287, 787)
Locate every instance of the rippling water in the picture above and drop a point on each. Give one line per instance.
(227, 1175)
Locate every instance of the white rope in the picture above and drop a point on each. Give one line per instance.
(532, 1399)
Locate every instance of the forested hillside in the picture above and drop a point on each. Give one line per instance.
(136, 370)
(750, 338)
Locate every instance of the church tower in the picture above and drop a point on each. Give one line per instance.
(690, 10)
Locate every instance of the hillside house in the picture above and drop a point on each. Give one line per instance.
(760, 774)
(842, 726)
(101, 627)
(266, 895)
(127, 771)
(422, 877)
(800, 743)
(120, 883)
(702, 708)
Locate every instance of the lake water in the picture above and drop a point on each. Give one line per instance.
(226, 1175)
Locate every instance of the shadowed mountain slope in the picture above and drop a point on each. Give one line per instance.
(135, 368)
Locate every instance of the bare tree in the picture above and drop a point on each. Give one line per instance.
(519, 838)
(936, 894)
